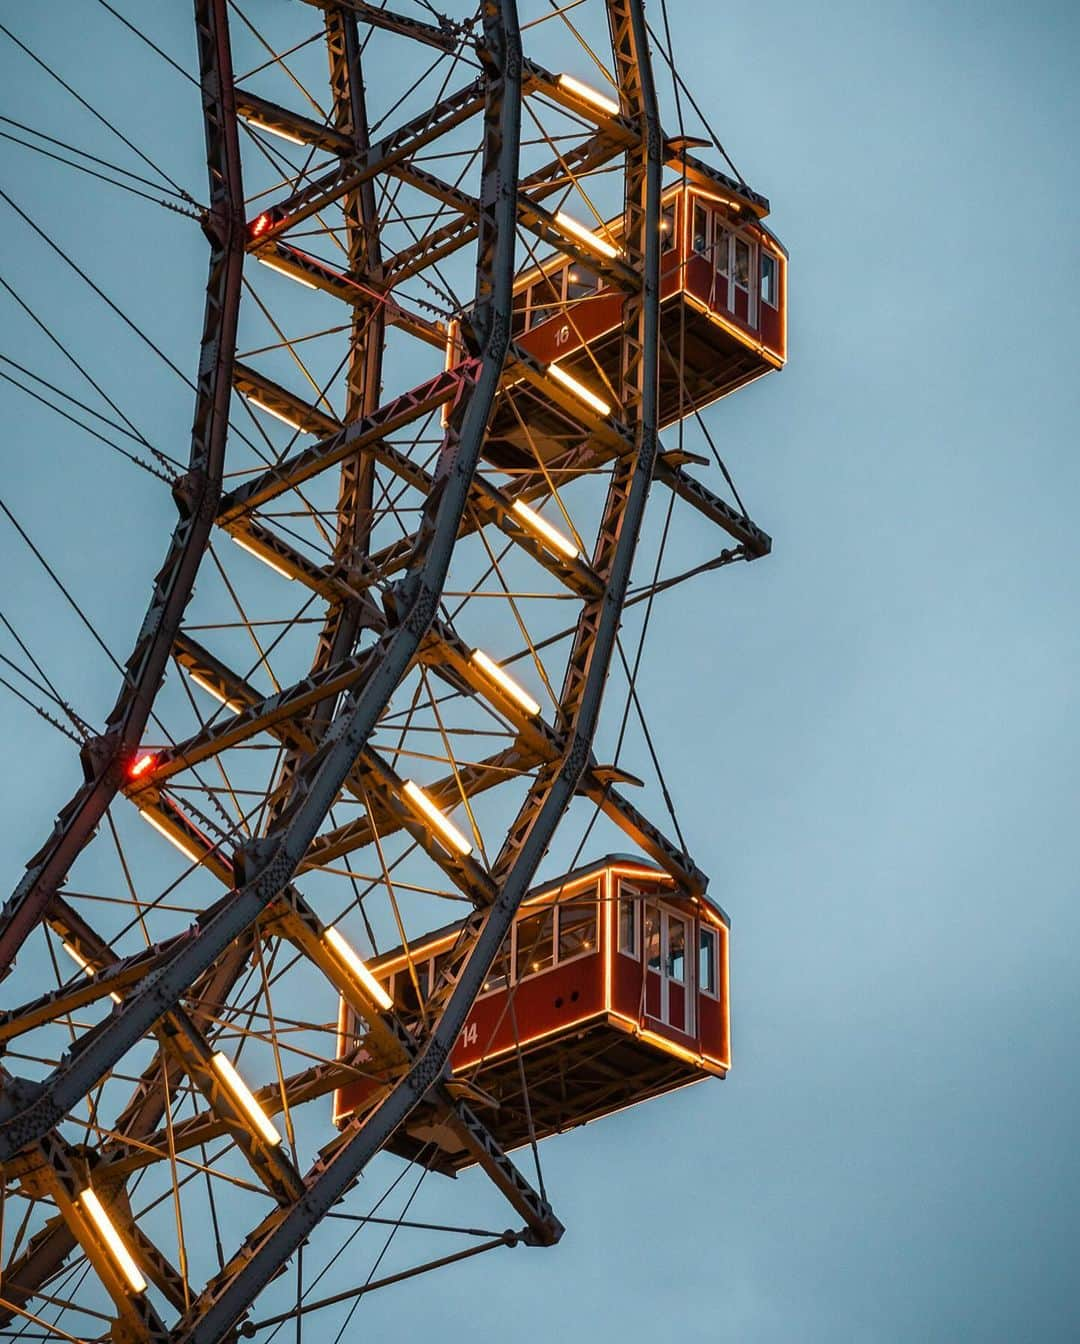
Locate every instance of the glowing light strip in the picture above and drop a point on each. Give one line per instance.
(543, 529)
(609, 934)
(223, 1067)
(184, 845)
(491, 669)
(271, 564)
(357, 969)
(577, 230)
(575, 86)
(579, 389)
(654, 1038)
(445, 829)
(272, 410)
(488, 1056)
(281, 270)
(84, 965)
(211, 689)
(113, 1241)
(265, 126)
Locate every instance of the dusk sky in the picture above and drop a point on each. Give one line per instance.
(870, 735)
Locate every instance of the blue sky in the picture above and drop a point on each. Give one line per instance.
(871, 734)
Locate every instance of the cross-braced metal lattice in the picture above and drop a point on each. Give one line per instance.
(431, 631)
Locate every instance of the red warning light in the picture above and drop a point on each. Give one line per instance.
(140, 766)
(261, 225)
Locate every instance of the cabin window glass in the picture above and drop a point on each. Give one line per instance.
(628, 926)
(770, 277)
(722, 250)
(499, 975)
(667, 228)
(742, 263)
(535, 943)
(676, 949)
(701, 229)
(707, 973)
(581, 281)
(577, 930)
(545, 298)
(652, 937)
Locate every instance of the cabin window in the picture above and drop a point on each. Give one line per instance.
(581, 281)
(667, 228)
(701, 229)
(721, 252)
(545, 298)
(535, 943)
(577, 930)
(676, 949)
(769, 280)
(628, 926)
(742, 263)
(652, 937)
(499, 975)
(707, 971)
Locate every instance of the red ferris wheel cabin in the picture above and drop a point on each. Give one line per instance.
(723, 311)
(612, 985)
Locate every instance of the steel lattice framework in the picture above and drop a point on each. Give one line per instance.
(305, 762)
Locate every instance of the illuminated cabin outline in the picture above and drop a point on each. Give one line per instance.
(723, 314)
(611, 988)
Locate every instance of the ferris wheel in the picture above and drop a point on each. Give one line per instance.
(354, 884)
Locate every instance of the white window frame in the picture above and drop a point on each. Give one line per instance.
(689, 983)
(753, 277)
(764, 252)
(556, 930)
(527, 913)
(557, 304)
(635, 902)
(696, 204)
(720, 230)
(589, 951)
(714, 933)
(501, 989)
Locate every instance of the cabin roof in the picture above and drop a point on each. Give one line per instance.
(700, 173)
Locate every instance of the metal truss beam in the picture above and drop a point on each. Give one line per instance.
(366, 433)
(329, 581)
(717, 510)
(63, 1179)
(261, 715)
(307, 419)
(531, 216)
(557, 175)
(351, 173)
(282, 256)
(325, 762)
(28, 1113)
(196, 496)
(263, 112)
(447, 36)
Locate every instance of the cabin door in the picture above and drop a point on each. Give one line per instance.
(669, 993)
